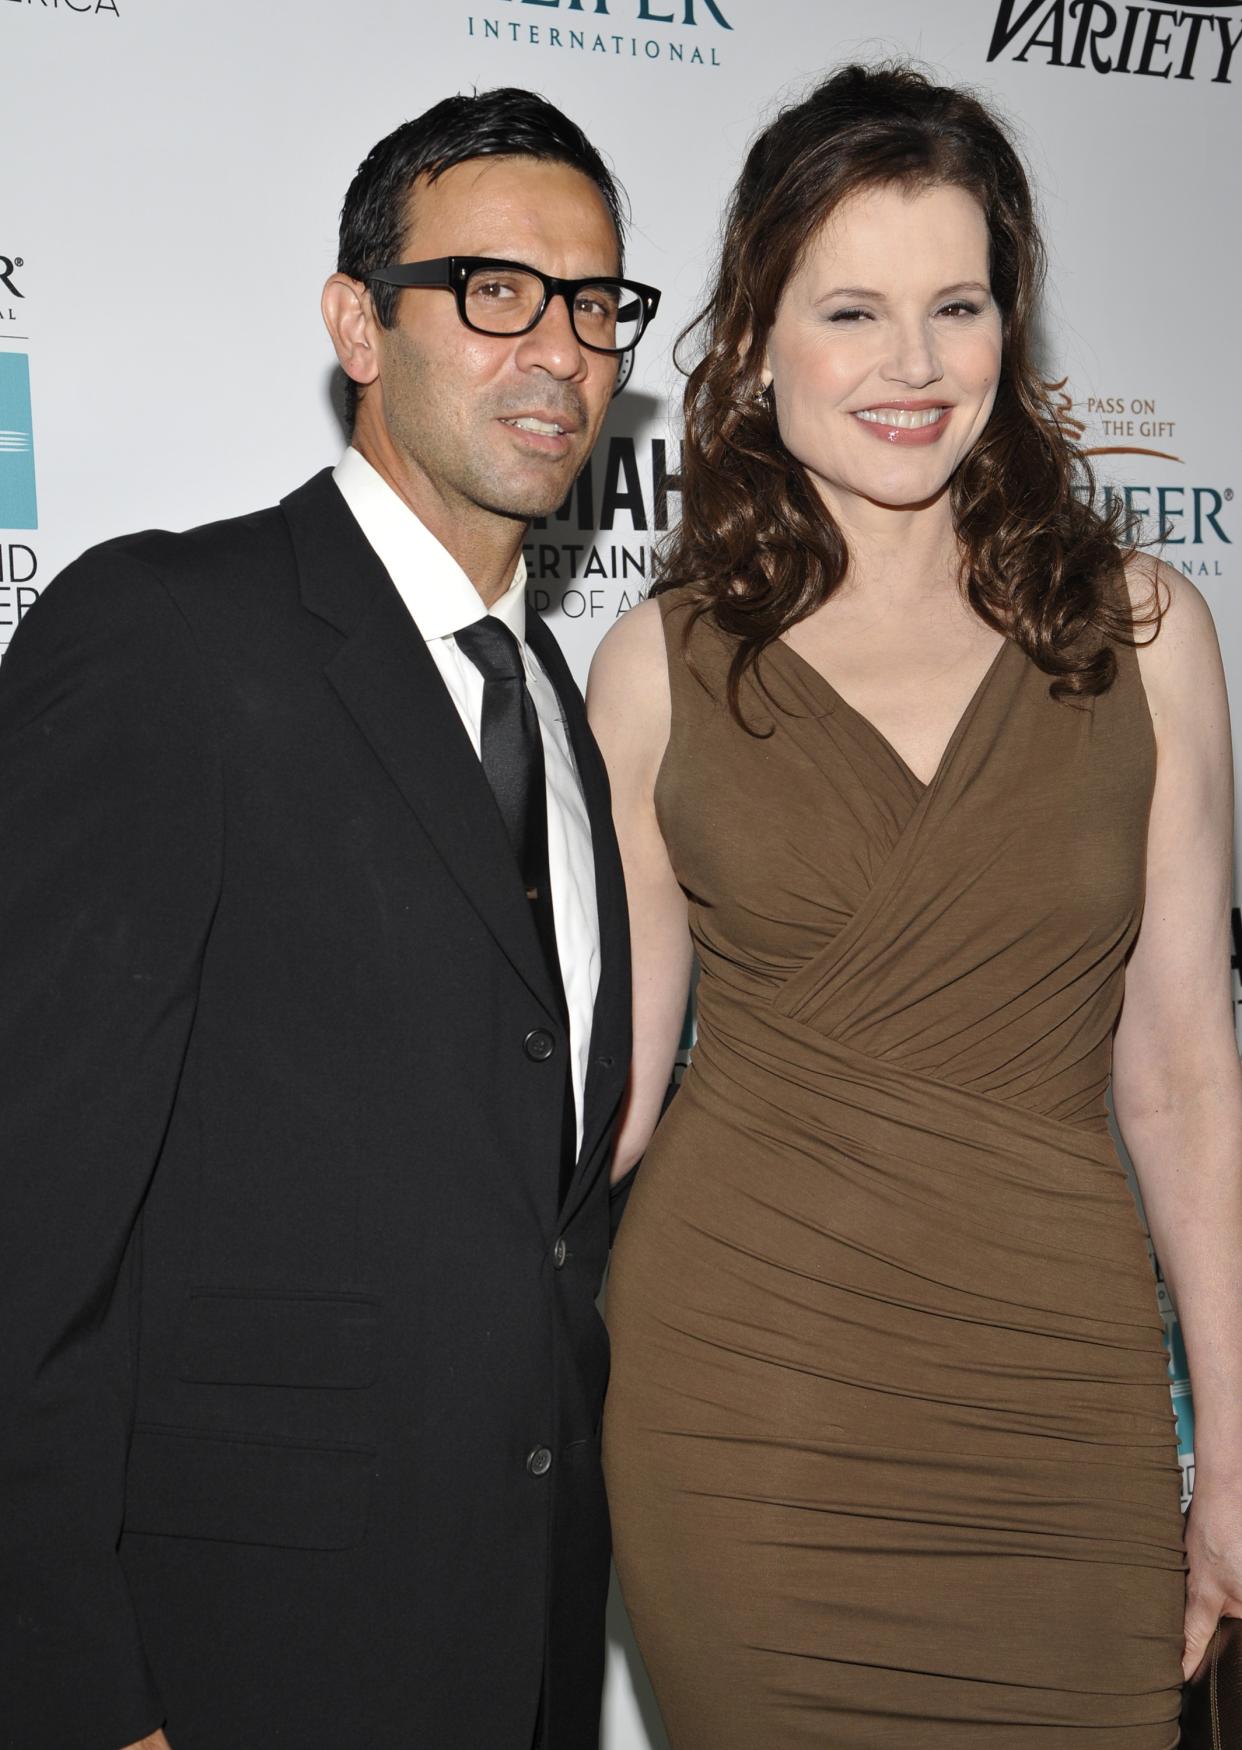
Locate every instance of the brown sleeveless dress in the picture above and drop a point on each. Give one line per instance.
(889, 1443)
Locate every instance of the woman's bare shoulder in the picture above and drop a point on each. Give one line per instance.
(628, 696)
(631, 652)
(1180, 664)
(1152, 581)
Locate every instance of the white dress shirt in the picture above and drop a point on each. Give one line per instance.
(441, 600)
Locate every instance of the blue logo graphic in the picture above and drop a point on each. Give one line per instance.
(18, 509)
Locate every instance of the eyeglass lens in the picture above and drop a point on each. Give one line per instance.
(505, 301)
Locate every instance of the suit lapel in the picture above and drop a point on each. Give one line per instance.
(607, 1063)
(388, 682)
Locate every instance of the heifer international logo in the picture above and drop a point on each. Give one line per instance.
(1172, 511)
(12, 298)
(610, 27)
(1159, 42)
(1116, 417)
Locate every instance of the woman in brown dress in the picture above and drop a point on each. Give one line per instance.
(889, 1442)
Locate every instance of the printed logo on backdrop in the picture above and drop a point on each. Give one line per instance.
(12, 298)
(1158, 42)
(1179, 1382)
(17, 478)
(592, 559)
(1189, 520)
(18, 502)
(9, 265)
(686, 33)
(91, 7)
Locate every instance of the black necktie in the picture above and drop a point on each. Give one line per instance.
(511, 752)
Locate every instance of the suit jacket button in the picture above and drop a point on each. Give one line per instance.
(539, 1045)
(559, 1254)
(539, 1461)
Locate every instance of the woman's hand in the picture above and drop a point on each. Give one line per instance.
(1214, 1551)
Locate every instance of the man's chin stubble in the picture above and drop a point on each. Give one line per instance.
(529, 505)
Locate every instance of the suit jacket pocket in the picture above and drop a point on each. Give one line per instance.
(230, 1337)
(182, 1482)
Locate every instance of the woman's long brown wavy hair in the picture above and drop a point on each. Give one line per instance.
(1039, 562)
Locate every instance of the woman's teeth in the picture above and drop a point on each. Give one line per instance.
(909, 419)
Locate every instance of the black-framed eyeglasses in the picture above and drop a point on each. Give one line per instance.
(508, 297)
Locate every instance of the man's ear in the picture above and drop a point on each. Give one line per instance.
(350, 320)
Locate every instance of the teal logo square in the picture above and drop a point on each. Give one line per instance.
(18, 506)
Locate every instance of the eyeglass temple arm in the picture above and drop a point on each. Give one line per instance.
(413, 273)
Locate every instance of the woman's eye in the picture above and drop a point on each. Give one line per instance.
(958, 308)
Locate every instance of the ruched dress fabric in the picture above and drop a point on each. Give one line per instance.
(889, 1444)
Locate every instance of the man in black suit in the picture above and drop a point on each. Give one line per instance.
(314, 1002)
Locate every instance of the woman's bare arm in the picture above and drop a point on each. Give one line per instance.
(1177, 1085)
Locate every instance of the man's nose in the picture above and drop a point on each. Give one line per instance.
(552, 345)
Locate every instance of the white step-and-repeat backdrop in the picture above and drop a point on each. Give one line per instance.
(174, 170)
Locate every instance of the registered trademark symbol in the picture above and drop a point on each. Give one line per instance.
(1229, 495)
(18, 262)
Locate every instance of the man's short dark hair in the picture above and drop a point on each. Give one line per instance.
(505, 123)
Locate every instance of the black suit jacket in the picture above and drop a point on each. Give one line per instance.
(290, 1319)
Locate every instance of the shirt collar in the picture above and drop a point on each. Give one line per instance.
(440, 597)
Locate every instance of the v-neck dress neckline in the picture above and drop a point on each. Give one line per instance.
(841, 703)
